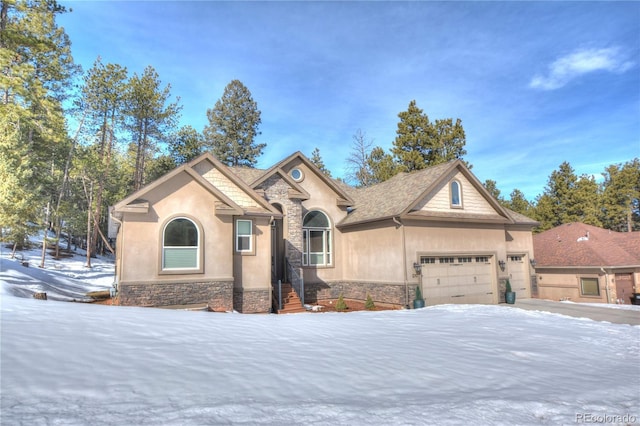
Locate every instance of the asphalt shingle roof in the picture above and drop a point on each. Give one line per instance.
(578, 244)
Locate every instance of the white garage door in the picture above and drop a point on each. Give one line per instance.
(458, 279)
(518, 275)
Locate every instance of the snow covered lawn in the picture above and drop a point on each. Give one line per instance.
(78, 364)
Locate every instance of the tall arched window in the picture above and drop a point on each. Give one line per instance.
(180, 245)
(316, 239)
(456, 194)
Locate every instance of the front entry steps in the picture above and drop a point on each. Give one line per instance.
(291, 303)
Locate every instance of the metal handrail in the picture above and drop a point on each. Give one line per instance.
(298, 285)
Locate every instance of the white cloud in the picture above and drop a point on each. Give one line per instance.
(578, 63)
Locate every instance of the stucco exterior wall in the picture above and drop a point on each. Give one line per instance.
(252, 270)
(565, 284)
(142, 233)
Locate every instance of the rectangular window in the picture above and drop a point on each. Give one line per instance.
(244, 230)
(589, 287)
(464, 260)
(427, 260)
(515, 258)
(180, 258)
(447, 260)
(482, 259)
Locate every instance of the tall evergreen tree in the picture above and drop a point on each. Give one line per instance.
(518, 203)
(621, 196)
(420, 143)
(36, 68)
(103, 101)
(492, 187)
(233, 127)
(382, 165)
(185, 145)
(150, 118)
(316, 159)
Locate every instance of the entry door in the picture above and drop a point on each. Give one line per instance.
(277, 251)
(624, 288)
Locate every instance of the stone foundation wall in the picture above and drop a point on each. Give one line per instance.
(217, 294)
(392, 294)
(252, 301)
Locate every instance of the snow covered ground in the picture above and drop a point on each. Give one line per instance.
(78, 364)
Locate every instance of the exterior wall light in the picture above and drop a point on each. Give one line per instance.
(418, 268)
(533, 263)
(502, 264)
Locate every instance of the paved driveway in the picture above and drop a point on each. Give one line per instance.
(617, 316)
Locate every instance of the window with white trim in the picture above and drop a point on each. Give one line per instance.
(316, 235)
(456, 194)
(180, 245)
(244, 234)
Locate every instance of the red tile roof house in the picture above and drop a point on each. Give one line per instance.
(584, 263)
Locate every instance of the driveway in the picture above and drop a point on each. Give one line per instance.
(613, 315)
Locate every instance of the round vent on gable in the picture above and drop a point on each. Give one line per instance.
(296, 174)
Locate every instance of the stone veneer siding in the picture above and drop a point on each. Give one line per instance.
(217, 294)
(393, 294)
(277, 191)
(252, 301)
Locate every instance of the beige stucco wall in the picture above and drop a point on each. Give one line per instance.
(565, 284)
(141, 234)
(253, 270)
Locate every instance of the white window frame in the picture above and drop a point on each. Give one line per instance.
(327, 243)
(198, 247)
(239, 236)
(457, 191)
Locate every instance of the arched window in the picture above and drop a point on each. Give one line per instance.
(180, 245)
(456, 194)
(316, 239)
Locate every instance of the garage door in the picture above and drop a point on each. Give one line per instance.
(458, 279)
(519, 275)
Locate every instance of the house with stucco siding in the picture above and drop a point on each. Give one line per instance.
(231, 237)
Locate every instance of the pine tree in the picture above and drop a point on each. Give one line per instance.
(492, 187)
(316, 159)
(369, 305)
(518, 203)
(621, 196)
(420, 143)
(150, 118)
(382, 166)
(36, 68)
(233, 127)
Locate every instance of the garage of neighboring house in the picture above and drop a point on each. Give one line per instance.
(519, 276)
(459, 278)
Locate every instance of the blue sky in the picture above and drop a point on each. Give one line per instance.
(534, 83)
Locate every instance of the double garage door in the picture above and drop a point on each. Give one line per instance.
(459, 279)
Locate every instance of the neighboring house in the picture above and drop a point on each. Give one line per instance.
(208, 233)
(584, 263)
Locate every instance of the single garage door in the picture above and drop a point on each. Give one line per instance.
(458, 279)
(519, 275)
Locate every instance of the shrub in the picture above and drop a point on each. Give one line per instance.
(341, 305)
(369, 305)
(418, 293)
(508, 290)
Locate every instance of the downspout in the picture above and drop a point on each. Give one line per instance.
(404, 262)
(606, 283)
